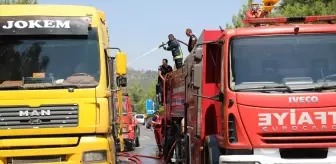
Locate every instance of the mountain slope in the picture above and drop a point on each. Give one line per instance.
(142, 77)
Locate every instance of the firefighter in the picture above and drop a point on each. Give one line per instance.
(157, 125)
(192, 39)
(175, 48)
(163, 70)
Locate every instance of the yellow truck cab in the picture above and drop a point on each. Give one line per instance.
(56, 80)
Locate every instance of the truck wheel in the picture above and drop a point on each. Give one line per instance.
(137, 135)
(131, 145)
(211, 150)
(137, 142)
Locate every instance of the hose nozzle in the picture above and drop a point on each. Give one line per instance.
(163, 44)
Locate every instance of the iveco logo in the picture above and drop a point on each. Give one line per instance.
(303, 99)
(34, 113)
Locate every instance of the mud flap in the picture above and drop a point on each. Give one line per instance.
(213, 149)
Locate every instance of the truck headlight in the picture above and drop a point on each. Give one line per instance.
(95, 156)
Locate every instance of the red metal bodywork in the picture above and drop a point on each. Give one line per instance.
(248, 105)
(208, 117)
(129, 122)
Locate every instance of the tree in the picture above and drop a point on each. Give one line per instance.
(237, 20)
(9, 2)
(307, 7)
(137, 95)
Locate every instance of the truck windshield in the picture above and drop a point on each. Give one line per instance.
(283, 60)
(43, 61)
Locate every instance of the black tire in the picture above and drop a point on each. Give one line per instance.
(206, 155)
(131, 146)
(137, 142)
(211, 151)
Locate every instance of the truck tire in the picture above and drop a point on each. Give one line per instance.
(137, 142)
(211, 150)
(131, 145)
(137, 135)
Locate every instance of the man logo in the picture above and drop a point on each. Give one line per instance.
(27, 113)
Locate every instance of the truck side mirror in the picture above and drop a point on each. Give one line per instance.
(121, 63)
(121, 69)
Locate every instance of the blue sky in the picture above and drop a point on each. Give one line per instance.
(138, 26)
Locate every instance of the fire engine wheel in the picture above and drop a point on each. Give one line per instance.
(137, 142)
(131, 146)
(211, 150)
(137, 132)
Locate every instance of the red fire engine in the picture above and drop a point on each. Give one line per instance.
(259, 94)
(129, 127)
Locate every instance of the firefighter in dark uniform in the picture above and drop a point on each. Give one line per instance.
(175, 48)
(192, 39)
(163, 70)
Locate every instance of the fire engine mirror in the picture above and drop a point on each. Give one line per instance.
(198, 53)
(197, 76)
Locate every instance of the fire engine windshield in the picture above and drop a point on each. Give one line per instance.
(287, 60)
(44, 61)
(124, 106)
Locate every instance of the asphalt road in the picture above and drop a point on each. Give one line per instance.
(147, 147)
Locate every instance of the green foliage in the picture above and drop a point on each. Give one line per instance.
(237, 20)
(141, 86)
(307, 7)
(138, 96)
(9, 2)
(141, 77)
(290, 8)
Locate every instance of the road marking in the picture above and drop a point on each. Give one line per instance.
(146, 137)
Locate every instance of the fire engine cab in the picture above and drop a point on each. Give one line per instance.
(259, 94)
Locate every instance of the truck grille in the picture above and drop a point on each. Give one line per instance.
(36, 159)
(298, 138)
(47, 116)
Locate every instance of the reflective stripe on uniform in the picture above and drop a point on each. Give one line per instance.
(179, 56)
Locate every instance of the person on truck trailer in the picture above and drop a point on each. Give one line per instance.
(192, 39)
(175, 48)
(163, 70)
(157, 125)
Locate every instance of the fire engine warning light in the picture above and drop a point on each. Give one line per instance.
(269, 5)
(307, 19)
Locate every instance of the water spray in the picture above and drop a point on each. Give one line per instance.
(143, 55)
(152, 50)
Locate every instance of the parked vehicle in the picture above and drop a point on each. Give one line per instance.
(140, 118)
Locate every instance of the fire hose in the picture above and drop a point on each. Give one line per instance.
(163, 43)
(135, 157)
